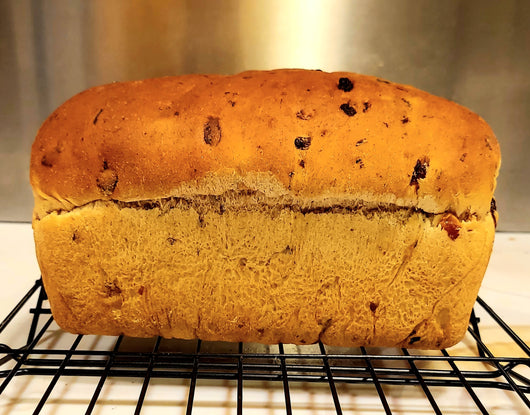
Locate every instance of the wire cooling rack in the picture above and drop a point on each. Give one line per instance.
(379, 372)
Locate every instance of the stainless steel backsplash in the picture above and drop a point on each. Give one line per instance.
(475, 52)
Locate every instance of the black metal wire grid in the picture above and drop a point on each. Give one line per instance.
(355, 366)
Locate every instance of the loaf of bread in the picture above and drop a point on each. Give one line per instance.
(270, 206)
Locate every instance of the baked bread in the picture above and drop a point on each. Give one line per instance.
(270, 206)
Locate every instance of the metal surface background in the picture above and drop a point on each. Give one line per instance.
(475, 52)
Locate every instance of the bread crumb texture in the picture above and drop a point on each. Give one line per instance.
(231, 269)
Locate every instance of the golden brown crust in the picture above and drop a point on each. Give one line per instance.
(377, 141)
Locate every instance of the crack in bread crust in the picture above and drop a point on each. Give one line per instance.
(254, 200)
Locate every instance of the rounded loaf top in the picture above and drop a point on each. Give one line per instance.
(308, 135)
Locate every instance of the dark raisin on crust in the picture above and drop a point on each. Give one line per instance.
(212, 131)
(303, 115)
(359, 161)
(404, 120)
(487, 141)
(373, 306)
(366, 106)
(302, 143)
(97, 116)
(301, 163)
(348, 110)
(463, 157)
(383, 81)
(405, 101)
(45, 162)
(493, 210)
(358, 143)
(345, 84)
(420, 171)
(414, 339)
(451, 225)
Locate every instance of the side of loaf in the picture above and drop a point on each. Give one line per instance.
(270, 206)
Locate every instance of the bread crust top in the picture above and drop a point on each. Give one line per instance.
(309, 135)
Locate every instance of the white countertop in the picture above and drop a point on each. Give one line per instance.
(506, 287)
